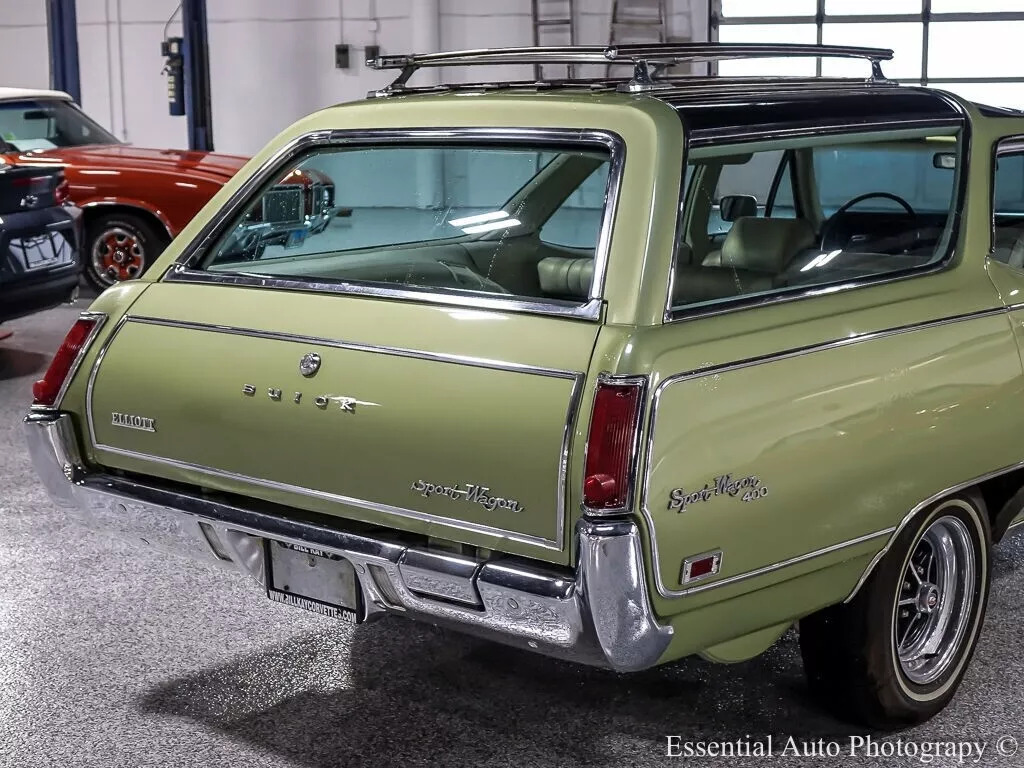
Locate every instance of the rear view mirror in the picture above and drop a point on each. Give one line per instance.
(737, 206)
(945, 161)
(36, 114)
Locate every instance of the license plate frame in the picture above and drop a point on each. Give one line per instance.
(44, 251)
(314, 580)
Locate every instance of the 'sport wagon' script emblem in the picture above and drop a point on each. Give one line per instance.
(132, 422)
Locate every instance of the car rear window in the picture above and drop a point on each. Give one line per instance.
(511, 221)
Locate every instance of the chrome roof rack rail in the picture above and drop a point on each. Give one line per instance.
(647, 59)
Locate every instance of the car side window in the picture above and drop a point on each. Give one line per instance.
(750, 177)
(1008, 210)
(845, 209)
(577, 222)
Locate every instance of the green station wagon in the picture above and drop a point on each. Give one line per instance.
(618, 370)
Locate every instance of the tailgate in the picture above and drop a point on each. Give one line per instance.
(445, 422)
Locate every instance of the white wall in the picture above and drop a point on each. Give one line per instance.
(271, 61)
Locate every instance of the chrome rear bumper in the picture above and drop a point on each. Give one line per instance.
(600, 614)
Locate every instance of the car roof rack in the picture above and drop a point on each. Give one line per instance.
(648, 59)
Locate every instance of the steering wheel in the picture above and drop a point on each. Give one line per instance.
(830, 223)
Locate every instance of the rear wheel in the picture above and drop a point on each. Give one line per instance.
(897, 652)
(118, 247)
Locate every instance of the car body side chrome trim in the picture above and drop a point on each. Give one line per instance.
(183, 270)
(575, 394)
(784, 563)
(916, 510)
(438, 357)
(659, 390)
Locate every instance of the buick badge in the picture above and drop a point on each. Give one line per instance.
(309, 364)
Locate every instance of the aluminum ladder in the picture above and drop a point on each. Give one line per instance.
(638, 21)
(553, 24)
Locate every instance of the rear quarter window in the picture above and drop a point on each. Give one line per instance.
(846, 210)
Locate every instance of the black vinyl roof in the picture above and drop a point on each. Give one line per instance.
(808, 102)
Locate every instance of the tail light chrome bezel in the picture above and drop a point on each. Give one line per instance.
(98, 320)
(640, 385)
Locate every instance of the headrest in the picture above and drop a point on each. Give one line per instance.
(566, 276)
(765, 245)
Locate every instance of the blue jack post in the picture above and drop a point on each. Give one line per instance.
(198, 109)
(62, 25)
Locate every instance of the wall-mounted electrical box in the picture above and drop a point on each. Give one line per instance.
(372, 52)
(172, 49)
(341, 56)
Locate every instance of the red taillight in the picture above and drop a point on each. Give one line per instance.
(613, 435)
(62, 192)
(46, 390)
(32, 182)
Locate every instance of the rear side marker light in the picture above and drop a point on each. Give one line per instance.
(701, 566)
(48, 390)
(612, 444)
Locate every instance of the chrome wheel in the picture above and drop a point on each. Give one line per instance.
(935, 600)
(117, 254)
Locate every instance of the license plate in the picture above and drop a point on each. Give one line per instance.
(312, 579)
(43, 252)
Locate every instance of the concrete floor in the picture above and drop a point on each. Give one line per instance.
(111, 658)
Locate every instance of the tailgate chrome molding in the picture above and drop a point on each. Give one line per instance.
(575, 395)
(600, 614)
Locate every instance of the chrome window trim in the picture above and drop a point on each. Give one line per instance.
(591, 310)
(182, 270)
(642, 383)
(739, 303)
(721, 368)
(744, 134)
(100, 319)
(576, 377)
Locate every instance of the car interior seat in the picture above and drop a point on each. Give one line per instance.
(754, 253)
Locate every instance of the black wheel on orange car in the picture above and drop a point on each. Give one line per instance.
(896, 653)
(119, 246)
